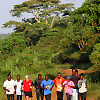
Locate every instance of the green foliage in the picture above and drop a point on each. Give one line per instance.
(93, 89)
(44, 48)
(95, 58)
(11, 44)
(85, 28)
(42, 8)
(91, 11)
(11, 23)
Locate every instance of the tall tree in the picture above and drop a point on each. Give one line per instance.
(90, 10)
(41, 8)
(86, 24)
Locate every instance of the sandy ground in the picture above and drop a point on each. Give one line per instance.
(69, 71)
(54, 96)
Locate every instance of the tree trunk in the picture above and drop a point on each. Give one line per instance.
(79, 46)
(82, 44)
(37, 19)
(53, 21)
(46, 21)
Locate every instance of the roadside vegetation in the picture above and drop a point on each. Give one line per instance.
(45, 43)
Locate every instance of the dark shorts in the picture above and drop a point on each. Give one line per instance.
(59, 95)
(82, 95)
(10, 95)
(48, 97)
(68, 96)
(28, 93)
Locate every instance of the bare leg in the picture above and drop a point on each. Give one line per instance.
(30, 98)
(27, 97)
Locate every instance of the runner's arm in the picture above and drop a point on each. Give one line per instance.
(72, 86)
(35, 84)
(4, 86)
(41, 86)
(32, 84)
(22, 86)
(52, 85)
(63, 80)
(86, 83)
(79, 84)
(6, 89)
(15, 87)
(55, 82)
(65, 83)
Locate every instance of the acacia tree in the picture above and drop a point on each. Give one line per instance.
(41, 8)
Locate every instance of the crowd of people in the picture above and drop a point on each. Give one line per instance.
(75, 87)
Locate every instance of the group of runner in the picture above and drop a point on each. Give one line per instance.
(75, 87)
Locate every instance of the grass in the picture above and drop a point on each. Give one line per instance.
(64, 66)
(85, 66)
(94, 91)
(93, 86)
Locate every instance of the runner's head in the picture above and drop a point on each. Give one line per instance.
(59, 75)
(27, 78)
(46, 77)
(9, 77)
(81, 76)
(18, 77)
(39, 76)
(76, 71)
(73, 72)
(68, 78)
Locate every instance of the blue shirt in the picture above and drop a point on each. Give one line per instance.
(47, 84)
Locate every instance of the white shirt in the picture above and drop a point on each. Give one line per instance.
(83, 88)
(18, 89)
(10, 86)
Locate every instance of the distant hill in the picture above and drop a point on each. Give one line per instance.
(3, 36)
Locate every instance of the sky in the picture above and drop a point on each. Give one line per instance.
(7, 5)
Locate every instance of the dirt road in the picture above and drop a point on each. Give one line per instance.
(53, 95)
(69, 71)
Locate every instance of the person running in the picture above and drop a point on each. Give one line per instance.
(47, 85)
(19, 92)
(59, 88)
(77, 72)
(68, 84)
(27, 85)
(9, 86)
(75, 79)
(74, 63)
(82, 85)
(39, 91)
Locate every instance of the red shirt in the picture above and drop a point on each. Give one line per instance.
(59, 83)
(27, 85)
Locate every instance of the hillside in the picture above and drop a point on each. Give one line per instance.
(3, 36)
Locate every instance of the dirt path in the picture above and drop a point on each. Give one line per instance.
(69, 71)
(54, 96)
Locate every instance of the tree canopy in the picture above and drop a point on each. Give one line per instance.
(36, 45)
(41, 8)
